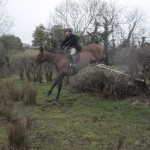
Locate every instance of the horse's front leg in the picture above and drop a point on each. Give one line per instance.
(59, 77)
(59, 89)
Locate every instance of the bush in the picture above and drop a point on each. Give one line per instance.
(137, 60)
(10, 93)
(12, 90)
(30, 95)
(17, 138)
(109, 83)
(6, 104)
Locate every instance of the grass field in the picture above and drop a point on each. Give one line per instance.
(29, 52)
(83, 122)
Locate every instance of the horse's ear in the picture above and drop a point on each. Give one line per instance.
(41, 49)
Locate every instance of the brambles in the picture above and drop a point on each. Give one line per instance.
(108, 82)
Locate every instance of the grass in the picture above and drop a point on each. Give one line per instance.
(122, 68)
(29, 52)
(3, 133)
(83, 122)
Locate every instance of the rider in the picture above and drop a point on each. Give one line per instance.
(71, 42)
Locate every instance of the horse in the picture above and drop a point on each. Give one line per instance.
(90, 53)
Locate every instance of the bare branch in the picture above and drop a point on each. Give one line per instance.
(5, 21)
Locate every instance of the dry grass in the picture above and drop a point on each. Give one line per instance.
(17, 133)
(17, 138)
(30, 52)
(12, 92)
(17, 130)
(6, 104)
(30, 95)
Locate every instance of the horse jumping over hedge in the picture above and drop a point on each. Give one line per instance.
(89, 53)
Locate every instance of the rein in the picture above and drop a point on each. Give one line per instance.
(57, 52)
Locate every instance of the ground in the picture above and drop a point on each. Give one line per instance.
(83, 122)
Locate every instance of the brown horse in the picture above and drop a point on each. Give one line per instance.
(89, 53)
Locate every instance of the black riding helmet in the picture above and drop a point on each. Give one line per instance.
(68, 29)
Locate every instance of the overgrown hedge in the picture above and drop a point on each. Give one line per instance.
(107, 82)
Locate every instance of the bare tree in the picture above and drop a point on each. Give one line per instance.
(107, 16)
(95, 35)
(5, 21)
(130, 27)
(77, 15)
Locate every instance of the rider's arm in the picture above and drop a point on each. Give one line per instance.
(70, 40)
(63, 44)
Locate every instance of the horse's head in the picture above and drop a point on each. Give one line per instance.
(40, 58)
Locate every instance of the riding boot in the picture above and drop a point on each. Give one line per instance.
(72, 63)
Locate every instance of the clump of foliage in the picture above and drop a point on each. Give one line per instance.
(109, 83)
(30, 95)
(17, 137)
(11, 93)
(15, 92)
(9, 44)
(50, 38)
(17, 130)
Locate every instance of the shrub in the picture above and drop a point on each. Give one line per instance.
(11, 92)
(30, 95)
(17, 137)
(14, 91)
(9, 114)
(107, 82)
(6, 105)
(17, 133)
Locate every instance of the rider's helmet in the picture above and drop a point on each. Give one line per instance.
(68, 29)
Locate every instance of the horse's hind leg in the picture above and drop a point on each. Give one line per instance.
(59, 77)
(59, 89)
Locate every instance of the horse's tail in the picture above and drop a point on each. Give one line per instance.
(106, 60)
(104, 57)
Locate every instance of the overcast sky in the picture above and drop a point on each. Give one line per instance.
(27, 14)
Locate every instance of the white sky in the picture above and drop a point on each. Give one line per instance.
(27, 14)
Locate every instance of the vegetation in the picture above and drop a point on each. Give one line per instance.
(50, 38)
(17, 124)
(9, 44)
(5, 20)
(30, 95)
(95, 21)
(39, 36)
(31, 120)
(83, 122)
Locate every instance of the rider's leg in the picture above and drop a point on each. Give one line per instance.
(72, 52)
